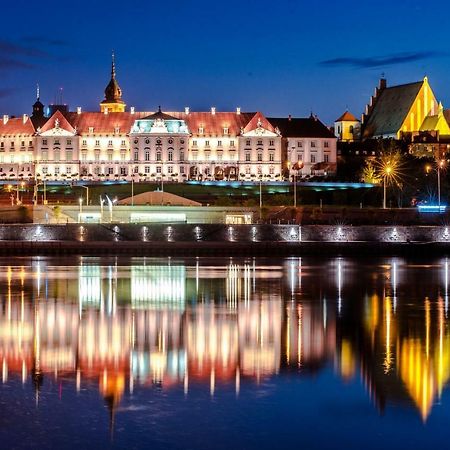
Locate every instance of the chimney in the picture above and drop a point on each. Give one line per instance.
(132, 110)
(78, 109)
(289, 117)
(5, 119)
(186, 110)
(213, 110)
(238, 110)
(24, 118)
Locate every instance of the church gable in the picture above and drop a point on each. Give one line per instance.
(424, 104)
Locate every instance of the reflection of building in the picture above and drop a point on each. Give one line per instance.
(142, 325)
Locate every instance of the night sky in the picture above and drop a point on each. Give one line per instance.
(285, 57)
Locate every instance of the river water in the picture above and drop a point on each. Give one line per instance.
(224, 353)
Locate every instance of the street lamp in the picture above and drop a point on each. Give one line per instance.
(87, 193)
(386, 174)
(439, 166)
(132, 189)
(80, 201)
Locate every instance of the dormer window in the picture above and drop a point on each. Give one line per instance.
(201, 130)
(91, 130)
(225, 130)
(116, 130)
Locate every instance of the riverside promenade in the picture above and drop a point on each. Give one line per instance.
(222, 240)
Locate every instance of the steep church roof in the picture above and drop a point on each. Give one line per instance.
(391, 108)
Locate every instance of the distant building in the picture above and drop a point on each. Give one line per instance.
(347, 128)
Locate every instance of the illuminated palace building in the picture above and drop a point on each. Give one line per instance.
(116, 143)
(212, 327)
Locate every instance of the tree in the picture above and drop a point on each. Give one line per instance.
(370, 174)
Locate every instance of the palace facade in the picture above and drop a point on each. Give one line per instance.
(115, 144)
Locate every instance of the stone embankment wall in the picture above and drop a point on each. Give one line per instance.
(219, 239)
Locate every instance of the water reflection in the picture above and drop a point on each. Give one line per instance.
(174, 323)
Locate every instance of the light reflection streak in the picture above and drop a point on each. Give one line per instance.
(167, 324)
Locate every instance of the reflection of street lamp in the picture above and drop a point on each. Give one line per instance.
(132, 189)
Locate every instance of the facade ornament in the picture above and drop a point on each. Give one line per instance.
(56, 123)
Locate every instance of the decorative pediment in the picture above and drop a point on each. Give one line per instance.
(58, 125)
(259, 126)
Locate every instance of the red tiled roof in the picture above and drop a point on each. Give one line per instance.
(63, 123)
(103, 123)
(347, 117)
(16, 125)
(213, 124)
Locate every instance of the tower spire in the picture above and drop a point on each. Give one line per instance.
(113, 66)
(38, 92)
(113, 94)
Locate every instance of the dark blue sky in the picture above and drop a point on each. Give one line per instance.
(285, 57)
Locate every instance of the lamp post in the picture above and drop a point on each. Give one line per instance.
(132, 189)
(386, 175)
(260, 196)
(439, 166)
(80, 201)
(102, 201)
(87, 193)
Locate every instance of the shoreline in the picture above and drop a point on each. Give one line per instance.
(222, 249)
(222, 240)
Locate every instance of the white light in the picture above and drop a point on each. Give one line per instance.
(394, 235)
(446, 235)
